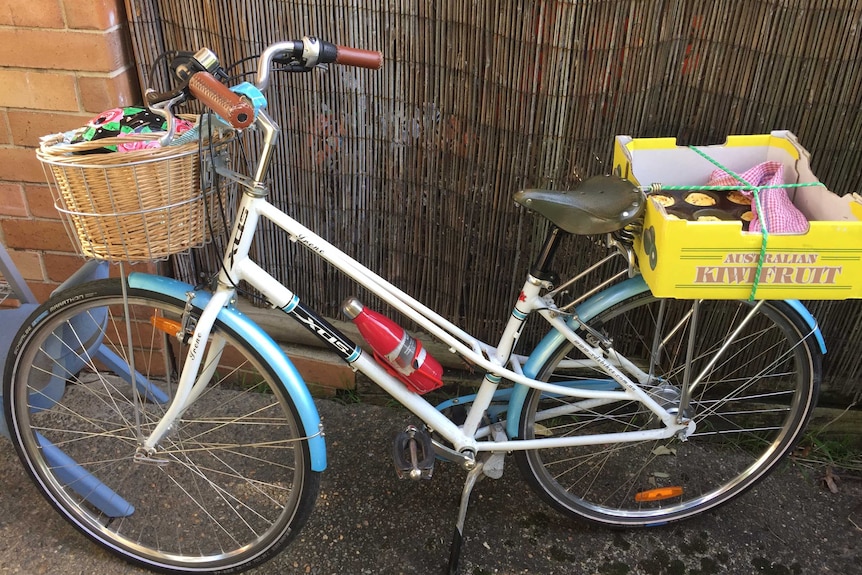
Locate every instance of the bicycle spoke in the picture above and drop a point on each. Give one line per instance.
(231, 477)
(748, 408)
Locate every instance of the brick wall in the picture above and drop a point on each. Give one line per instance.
(61, 63)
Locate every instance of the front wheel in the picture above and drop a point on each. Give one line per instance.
(229, 485)
(749, 409)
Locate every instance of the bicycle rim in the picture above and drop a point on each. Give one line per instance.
(229, 486)
(749, 410)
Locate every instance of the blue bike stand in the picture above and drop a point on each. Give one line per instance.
(73, 347)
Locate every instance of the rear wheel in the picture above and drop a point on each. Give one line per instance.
(229, 486)
(749, 409)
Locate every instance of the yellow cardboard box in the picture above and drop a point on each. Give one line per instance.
(717, 260)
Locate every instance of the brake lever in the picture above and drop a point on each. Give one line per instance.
(155, 98)
(164, 109)
(290, 63)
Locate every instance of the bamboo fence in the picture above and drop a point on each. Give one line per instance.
(411, 168)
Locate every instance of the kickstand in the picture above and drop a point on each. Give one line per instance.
(455, 549)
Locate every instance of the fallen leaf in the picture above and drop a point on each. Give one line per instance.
(830, 480)
(662, 450)
(802, 452)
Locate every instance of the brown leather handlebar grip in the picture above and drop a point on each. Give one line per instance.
(360, 58)
(230, 106)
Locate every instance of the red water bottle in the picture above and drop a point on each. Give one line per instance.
(395, 348)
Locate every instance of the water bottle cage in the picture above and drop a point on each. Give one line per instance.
(387, 365)
(417, 382)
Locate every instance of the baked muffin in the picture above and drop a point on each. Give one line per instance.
(738, 197)
(663, 200)
(699, 199)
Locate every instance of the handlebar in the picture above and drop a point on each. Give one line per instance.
(359, 58)
(232, 107)
(300, 56)
(309, 52)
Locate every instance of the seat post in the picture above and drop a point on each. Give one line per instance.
(542, 268)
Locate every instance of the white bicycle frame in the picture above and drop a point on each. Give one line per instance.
(498, 362)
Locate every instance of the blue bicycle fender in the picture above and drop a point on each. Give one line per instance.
(260, 341)
(586, 311)
(803, 312)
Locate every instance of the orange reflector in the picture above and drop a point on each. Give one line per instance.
(166, 325)
(658, 494)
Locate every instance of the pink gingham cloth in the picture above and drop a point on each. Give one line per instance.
(779, 213)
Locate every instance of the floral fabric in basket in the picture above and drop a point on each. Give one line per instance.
(779, 214)
(121, 122)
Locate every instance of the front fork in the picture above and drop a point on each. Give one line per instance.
(191, 383)
(192, 380)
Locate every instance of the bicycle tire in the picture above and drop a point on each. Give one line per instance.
(231, 484)
(750, 410)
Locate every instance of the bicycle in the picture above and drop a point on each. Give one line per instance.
(204, 452)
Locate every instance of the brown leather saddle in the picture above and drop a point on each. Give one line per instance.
(597, 205)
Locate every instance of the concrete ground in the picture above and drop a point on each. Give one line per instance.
(367, 521)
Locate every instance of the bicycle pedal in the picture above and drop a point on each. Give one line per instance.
(413, 454)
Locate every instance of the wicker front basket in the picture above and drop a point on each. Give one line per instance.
(135, 206)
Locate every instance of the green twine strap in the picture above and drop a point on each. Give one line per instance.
(748, 187)
(764, 234)
(763, 228)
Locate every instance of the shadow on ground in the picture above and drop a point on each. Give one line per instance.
(367, 521)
